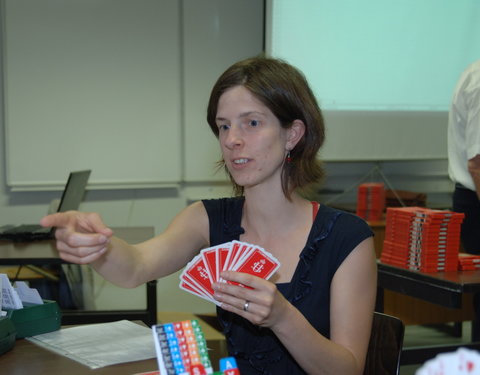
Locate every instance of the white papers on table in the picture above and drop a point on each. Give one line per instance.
(27, 294)
(10, 298)
(13, 298)
(99, 345)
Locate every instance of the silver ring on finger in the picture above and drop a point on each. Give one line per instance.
(245, 305)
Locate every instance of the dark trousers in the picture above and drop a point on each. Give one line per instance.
(466, 201)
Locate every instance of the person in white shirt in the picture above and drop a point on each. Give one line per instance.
(464, 163)
(464, 154)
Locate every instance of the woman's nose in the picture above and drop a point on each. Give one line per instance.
(234, 137)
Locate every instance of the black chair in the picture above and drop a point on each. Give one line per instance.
(385, 347)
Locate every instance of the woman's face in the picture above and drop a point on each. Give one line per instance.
(252, 141)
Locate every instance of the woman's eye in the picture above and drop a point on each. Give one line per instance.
(254, 123)
(222, 127)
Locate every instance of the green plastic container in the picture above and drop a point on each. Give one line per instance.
(7, 335)
(36, 319)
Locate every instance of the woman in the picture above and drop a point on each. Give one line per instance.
(314, 315)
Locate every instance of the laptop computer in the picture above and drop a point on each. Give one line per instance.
(71, 198)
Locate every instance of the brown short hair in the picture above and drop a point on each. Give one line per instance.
(285, 91)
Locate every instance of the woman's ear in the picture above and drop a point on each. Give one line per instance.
(295, 133)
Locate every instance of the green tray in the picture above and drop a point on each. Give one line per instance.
(36, 319)
(7, 335)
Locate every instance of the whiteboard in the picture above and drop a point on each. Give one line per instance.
(92, 85)
(382, 71)
(118, 86)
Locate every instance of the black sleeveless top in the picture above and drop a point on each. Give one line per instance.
(334, 234)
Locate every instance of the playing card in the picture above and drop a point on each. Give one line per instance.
(210, 259)
(246, 251)
(192, 289)
(223, 252)
(197, 270)
(204, 269)
(468, 362)
(447, 363)
(461, 362)
(258, 263)
(190, 285)
(236, 250)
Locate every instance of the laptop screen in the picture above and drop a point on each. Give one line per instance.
(73, 193)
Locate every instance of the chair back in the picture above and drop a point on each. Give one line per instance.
(385, 347)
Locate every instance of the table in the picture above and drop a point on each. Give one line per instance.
(442, 288)
(44, 252)
(29, 358)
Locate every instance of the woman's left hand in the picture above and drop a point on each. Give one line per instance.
(258, 300)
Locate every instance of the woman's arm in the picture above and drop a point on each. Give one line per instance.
(353, 292)
(84, 239)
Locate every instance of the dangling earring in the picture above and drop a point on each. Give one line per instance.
(288, 158)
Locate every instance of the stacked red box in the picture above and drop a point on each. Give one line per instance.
(371, 201)
(468, 262)
(422, 239)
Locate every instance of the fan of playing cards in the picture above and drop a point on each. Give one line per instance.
(462, 361)
(205, 268)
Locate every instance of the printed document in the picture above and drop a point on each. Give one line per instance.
(100, 345)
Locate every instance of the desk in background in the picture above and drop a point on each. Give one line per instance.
(447, 289)
(44, 252)
(418, 311)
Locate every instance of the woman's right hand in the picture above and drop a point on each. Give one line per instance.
(81, 237)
